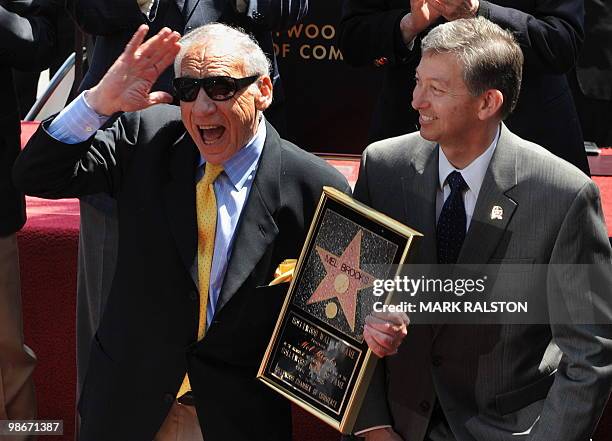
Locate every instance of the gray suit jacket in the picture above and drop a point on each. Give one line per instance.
(495, 382)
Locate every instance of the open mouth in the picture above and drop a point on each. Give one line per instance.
(426, 119)
(211, 134)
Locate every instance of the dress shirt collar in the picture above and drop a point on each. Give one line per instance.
(474, 173)
(239, 167)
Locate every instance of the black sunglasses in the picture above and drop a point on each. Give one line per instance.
(217, 88)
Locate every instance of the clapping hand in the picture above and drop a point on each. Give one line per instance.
(421, 16)
(455, 9)
(126, 87)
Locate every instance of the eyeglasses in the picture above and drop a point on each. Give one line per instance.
(217, 88)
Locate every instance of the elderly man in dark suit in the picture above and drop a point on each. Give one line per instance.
(388, 34)
(480, 195)
(210, 201)
(112, 23)
(27, 39)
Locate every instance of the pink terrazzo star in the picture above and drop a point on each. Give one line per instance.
(344, 278)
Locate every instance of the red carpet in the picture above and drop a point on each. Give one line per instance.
(601, 165)
(48, 249)
(605, 187)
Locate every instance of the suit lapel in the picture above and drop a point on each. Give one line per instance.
(179, 199)
(486, 230)
(181, 5)
(256, 228)
(420, 190)
(419, 196)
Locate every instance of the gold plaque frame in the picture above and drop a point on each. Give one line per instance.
(316, 357)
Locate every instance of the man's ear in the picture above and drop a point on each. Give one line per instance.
(492, 101)
(264, 98)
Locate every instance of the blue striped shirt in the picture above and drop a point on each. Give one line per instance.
(78, 121)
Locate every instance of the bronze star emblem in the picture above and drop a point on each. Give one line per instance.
(343, 279)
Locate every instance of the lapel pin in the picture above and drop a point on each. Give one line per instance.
(497, 212)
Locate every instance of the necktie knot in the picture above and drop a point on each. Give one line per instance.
(456, 182)
(211, 172)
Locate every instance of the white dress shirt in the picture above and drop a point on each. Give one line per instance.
(473, 175)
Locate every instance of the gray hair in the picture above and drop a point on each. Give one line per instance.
(490, 56)
(244, 46)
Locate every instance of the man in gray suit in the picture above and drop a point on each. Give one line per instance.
(480, 194)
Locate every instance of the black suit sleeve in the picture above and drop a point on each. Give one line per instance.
(362, 191)
(368, 31)
(579, 280)
(52, 169)
(550, 34)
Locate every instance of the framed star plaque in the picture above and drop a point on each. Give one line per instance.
(317, 356)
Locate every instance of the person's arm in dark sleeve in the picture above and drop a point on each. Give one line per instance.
(26, 42)
(53, 169)
(368, 31)
(580, 307)
(59, 162)
(373, 34)
(551, 36)
(362, 186)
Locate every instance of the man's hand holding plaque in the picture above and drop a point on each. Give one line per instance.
(385, 331)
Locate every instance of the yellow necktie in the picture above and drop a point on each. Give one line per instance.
(206, 206)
